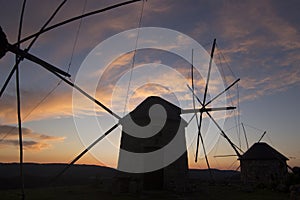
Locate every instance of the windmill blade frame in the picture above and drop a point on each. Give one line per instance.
(246, 139)
(3, 36)
(84, 152)
(5, 46)
(77, 18)
(14, 48)
(235, 147)
(264, 133)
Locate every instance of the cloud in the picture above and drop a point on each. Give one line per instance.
(27, 145)
(271, 84)
(248, 30)
(58, 104)
(31, 140)
(255, 27)
(260, 45)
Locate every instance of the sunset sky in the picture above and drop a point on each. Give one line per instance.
(257, 41)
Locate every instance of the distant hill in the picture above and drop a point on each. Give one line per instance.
(41, 174)
(218, 175)
(38, 175)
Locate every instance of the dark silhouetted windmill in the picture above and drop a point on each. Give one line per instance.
(173, 113)
(174, 175)
(5, 46)
(263, 165)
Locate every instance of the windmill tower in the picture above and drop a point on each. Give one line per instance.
(261, 164)
(264, 165)
(171, 177)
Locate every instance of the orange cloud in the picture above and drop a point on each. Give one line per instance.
(56, 105)
(31, 140)
(27, 145)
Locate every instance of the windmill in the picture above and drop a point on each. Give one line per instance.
(136, 144)
(260, 163)
(204, 109)
(5, 46)
(242, 125)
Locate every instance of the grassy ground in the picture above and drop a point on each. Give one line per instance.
(88, 192)
(236, 193)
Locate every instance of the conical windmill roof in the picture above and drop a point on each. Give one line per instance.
(262, 151)
(141, 111)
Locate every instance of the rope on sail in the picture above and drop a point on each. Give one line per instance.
(134, 57)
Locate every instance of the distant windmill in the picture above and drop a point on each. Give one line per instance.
(261, 163)
(246, 143)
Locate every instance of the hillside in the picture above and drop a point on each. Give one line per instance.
(37, 175)
(41, 174)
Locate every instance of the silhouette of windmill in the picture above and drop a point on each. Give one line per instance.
(5, 46)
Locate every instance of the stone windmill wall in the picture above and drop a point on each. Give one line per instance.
(171, 177)
(263, 165)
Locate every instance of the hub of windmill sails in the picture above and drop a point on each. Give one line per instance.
(3, 43)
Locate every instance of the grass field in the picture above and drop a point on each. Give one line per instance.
(210, 192)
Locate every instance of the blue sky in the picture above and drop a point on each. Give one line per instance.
(259, 39)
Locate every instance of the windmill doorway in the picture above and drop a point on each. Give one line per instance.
(154, 180)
